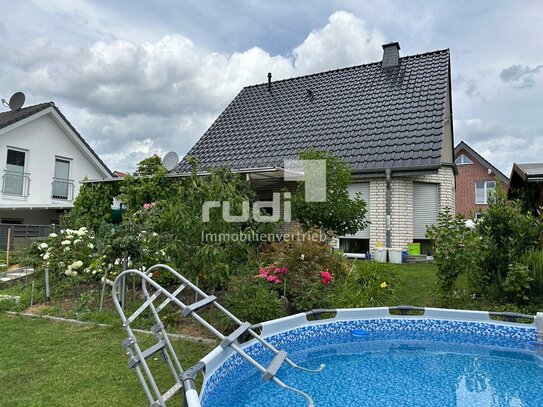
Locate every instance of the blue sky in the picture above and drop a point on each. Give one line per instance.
(137, 78)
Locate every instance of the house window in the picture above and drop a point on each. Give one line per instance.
(463, 160)
(483, 190)
(61, 182)
(14, 175)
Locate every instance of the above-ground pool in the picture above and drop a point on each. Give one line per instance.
(373, 358)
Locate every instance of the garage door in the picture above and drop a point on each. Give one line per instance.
(364, 189)
(425, 208)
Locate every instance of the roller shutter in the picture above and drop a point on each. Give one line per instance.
(364, 189)
(425, 208)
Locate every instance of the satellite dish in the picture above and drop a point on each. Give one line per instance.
(170, 160)
(16, 101)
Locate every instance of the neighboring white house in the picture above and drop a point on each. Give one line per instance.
(390, 120)
(43, 160)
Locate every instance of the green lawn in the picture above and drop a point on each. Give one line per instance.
(417, 285)
(46, 363)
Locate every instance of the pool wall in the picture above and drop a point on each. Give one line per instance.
(304, 324)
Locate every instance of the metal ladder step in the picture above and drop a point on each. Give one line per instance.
(169, 394)
(134, 360)
(235, 335)
(189, 309)
(274, 366)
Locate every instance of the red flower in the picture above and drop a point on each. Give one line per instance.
(326, 277)
(156, 274)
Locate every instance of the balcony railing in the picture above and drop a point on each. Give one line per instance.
(15, 183)
(63, 189)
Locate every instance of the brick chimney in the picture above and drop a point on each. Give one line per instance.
(391, 55)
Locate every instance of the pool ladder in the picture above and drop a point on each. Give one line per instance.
(185, 380)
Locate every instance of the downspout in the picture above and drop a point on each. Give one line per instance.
(388, 209)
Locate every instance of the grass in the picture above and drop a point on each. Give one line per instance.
(417, 285)
(45, 363)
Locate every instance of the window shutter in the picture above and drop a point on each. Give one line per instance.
(425, 208)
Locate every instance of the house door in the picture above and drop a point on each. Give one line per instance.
(425, 207)
(364, 189)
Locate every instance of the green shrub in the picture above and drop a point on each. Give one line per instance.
(517, 283)
(456, 248)
(367, 284)
(533, 259)
(507, 232)
(311, 268)
(252, 300)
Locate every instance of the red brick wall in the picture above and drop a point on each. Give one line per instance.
(468, 175)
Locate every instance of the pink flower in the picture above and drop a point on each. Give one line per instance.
(281, 270)
(274, 279)
(326, 277)
(263, 273)
(149, 205)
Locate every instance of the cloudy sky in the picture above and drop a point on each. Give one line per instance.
(137, 78)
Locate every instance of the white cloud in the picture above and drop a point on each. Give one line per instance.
(134, 99)
(501, 143)
(345, 40)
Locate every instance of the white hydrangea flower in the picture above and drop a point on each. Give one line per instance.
(65, 242)
(77, 241)
(53, 235)
(43, 246)
(76, 264)
(66, 249)
(90, 246)
(46, 255)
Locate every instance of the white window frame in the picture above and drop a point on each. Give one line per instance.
(70, 196)
(25, 173)
(485, 189)
(463, 160)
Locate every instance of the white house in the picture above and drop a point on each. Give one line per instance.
(44, 159)
(390, 120)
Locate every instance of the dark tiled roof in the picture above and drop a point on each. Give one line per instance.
(372, 118)
(13, 116)
(462, 146)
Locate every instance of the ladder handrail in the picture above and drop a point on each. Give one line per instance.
(147, 281)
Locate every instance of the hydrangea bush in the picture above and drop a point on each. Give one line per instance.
(71, 251)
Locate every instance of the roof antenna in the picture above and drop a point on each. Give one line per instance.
(269, 81)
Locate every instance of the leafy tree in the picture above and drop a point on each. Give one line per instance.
(93, 204)
(149, 166)
(339, 213)
(210, 251)
(147, 185)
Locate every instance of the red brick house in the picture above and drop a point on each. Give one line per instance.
(475, 180)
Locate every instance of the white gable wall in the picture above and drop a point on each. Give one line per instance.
(43, 139)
